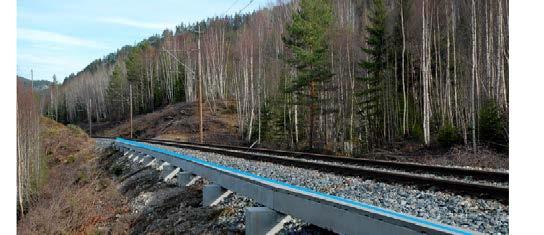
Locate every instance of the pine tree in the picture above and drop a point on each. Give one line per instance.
(375, 67)
(307, 40)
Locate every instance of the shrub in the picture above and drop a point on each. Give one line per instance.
(448, 135)
(416, 133)
(75, 129)
(117, 170)
(493, 126)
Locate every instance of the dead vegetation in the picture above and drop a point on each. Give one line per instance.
(458, 155)
(179, 121)
(77, 199)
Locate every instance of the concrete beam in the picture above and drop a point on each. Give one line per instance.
(185, 179)
(212, 194)
(264, 221)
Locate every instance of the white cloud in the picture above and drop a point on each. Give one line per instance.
(46, 36)
(137, 24)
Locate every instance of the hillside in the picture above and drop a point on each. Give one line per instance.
(76, 196)
(178, 122)
(37, 84)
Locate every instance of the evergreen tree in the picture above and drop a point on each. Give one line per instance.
(135, 76)
(179, 85)
(116, 94)
(307, 40)
(375, 66)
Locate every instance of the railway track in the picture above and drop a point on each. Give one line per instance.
(486, 175)
(405, 173)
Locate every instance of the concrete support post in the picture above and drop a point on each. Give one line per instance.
(185, 179)
(168, 172)
(136, 158)
(145, 159)
(262, 220)
(152, 162)
(129, 154)
(212, 194)
(156, 164)
(163, 165)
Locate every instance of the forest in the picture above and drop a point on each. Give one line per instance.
(349, 76)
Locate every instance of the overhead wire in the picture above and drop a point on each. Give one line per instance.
(245, 6)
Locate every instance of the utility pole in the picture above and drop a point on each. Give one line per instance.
(200, 88)
(32, 79)
(199, 75)
(89, 116)
(130, 94)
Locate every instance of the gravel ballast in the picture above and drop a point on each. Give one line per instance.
(483, 215)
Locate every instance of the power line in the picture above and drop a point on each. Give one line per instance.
(246, 6)
(225, 13)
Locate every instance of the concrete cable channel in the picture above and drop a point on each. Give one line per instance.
(461, 212)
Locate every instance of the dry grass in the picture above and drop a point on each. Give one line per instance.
(180, 121)
(77, 198)
(456, 156)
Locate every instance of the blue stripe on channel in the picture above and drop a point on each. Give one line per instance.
(306, 190)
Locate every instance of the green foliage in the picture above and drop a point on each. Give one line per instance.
(273, 127)
(116, 94)
(307, 39)
(179, 85)
(448, 135)
(117, 170)
(134, 65)
(158, 92)
(493, 129)
(375, 67)
(76, 130)
(416, 133)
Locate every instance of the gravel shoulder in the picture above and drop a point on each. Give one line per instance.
(483, 215)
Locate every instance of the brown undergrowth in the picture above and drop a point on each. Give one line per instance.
(179, 121)
(77, 198)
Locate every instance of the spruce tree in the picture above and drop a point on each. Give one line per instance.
(307, 40)
(374, 66)
(115, 94)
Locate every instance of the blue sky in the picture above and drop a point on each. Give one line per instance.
(63, 36)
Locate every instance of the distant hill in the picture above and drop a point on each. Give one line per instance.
(38, 84)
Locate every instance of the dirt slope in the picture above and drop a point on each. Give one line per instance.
(179, 122)
(77, 199)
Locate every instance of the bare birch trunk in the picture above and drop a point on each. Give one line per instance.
(473, 83)
(425, 77)
(405, 104)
